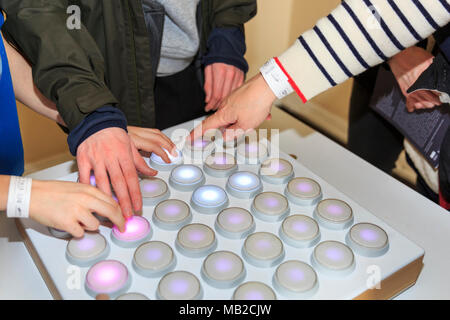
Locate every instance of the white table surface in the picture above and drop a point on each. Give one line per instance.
(414, 216)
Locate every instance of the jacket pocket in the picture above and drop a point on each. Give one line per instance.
(154, 14)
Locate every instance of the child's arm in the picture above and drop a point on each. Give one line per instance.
(66, 206)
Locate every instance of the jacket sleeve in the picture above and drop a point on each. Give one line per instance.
(357, 35)
(68, 68)
(232, 13)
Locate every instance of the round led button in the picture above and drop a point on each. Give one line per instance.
(154, 190)
(60, 234)
(209, 199)
(134, 296)
(235, 223)
(270, 206)
(276, 171)
(137, 231)
(368, 239)
(89, 249)
(303, 191)
(223, 269)
(334, 214)
(179, 285)
(159, 164)
(300, 231)
(244, 185)
(196, 240)
(295, 279)
(186, 177)
(220, 165)
(153, 259)
(172, 214)
(333, 258)
(252, 152)
(254, 290)
(199, 148)
(109, 277)
(263, 249)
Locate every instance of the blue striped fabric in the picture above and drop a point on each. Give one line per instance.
(316, 61)
(385, 27)
(364, 31)
(445, 5)
(404, 20)
(348, 41)
(426, 14)
(332, 52)
(11, 150)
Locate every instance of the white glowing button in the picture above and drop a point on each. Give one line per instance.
(334, 214)
(276, 171)
(270, 206)
(172, 214)
(154, 190)
(333, 258)
(209, 199)
(368, 240)
(223, 269)
(295, 279)
(235, 223)
(263, 249)
(179, 285)
(252, 153)
(153, 259)
(254, 290)
(137, 231)
(186, 177)
(89, 249)
(300, 231)
(109, 277)
(196, 240)
(159, 164)
(244, 184)
(220, 165)
(303, 191)
(133, 296)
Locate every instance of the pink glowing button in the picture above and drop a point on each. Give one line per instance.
(137, 230)
(107, 277)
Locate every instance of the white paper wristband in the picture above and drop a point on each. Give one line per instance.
(19, 195)
(276, 79)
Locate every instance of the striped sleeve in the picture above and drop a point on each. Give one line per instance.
(357, 35)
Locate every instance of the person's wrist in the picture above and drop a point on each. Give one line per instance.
(264, 89)
(19, 197)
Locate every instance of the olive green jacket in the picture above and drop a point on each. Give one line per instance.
(108, 61)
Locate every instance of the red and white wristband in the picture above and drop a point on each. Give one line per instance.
(276, 79)
(19, 196)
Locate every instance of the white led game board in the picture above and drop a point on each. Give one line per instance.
(221, 230)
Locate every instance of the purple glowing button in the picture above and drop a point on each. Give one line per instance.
(303, 191)
(153, 191)
(300, 231)
(263, 249)
(270, 206)
(179, 285)
(223, 269)
(107, 277)
(196, 240)
(153, 259)
(172, 214)
(276, 171)
(85, 251)
(368, 239)
(333, 257)
(137, 230)
(334, 214)
(234, 223)
(253, 290)
(295, 279)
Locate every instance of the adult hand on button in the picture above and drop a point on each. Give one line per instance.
(152, 140)
(110, 152)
